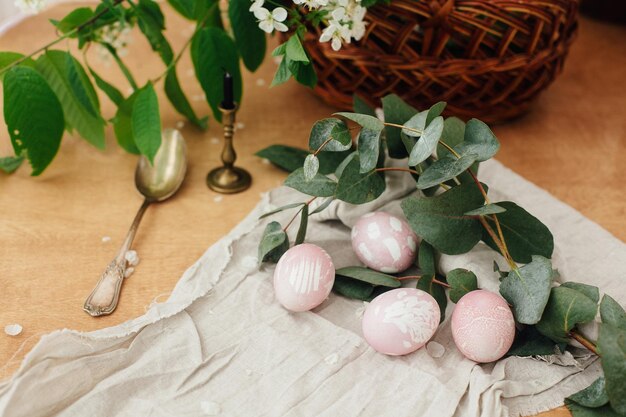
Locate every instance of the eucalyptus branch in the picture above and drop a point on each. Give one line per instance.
(588, 344)
(61, 38)
(298, 213)
(498, 242)
(403, 127)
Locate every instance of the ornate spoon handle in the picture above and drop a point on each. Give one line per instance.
(104, 297)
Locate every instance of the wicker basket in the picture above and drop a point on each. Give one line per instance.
(487, 58)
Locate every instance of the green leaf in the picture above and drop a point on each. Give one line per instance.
(453, 134)
(208, 11)
(435, 111)
(319, 186)
(152, 23)
(528, 289)
(426, 259)
(398, 112)
(444, 169)
(322, 206)
(529, 342)
(74, 19)
(486, 210)
(304, 221)
(33, 115)
(10, 58)
(426, 283)
(290, 158)
(53, 65)
(113, 93)
(326, 129)
(282, 74)
(212, 52)
(566, 308)
(177, 97)
(184, 7)
(440, 221)
(589, 290)
(249, 38)
(9, 164)
(123, 127)
(593, 396)
(366, 121)
(612, 312)
(274, 243)
(352, 288)
(461, 282)
(427, 143)
(146, 122)
(357, 188)
(311, 167)
(415, 126)
(369, 148)
(304, 73)
(479, 141)
(294, 51)
(578, 410)
(524, 234)
(282, 208)
(612, 348)
(360, 106)
(369, 275)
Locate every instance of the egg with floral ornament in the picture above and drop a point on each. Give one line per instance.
(384, 242)
(483, 327)
(303, 278)
(400, 321)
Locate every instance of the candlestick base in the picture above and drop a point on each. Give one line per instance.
(228, 180)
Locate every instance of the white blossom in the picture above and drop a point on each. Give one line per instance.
(336, 33)
(346, 22)
(311, 4)
(256, 5)
(31, 6)
(270, 21)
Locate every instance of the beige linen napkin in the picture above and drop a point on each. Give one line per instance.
(221, 345)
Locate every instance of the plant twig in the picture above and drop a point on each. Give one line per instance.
(435, 280)
(584, 341)
(403, 127)
(297, 213)
(326, 142)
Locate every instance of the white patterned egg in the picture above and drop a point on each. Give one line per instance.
(384, 242)
(303, 278)
(400, 321)
(483, 327)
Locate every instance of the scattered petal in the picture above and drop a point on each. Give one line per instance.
(240, 125)
(331, 359)
(197, 97)
(129, 271)
(210, 408)
(218, 199)
(13, 329)
(436, 350)
(266, 161)
(214, 140)
(106, 239)
(260, 82)
(180, 125)
(131, 257)
(190, 73)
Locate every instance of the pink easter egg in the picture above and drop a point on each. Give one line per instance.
(483, 327)
(303, 278)
(384, 242)
(400, 321)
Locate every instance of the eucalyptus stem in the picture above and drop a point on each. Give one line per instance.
(318, 150)
(61, 38)
(498, 242)
(450, 149)
(403, 127)
(588, 344)
(298, 212)
(435, 280)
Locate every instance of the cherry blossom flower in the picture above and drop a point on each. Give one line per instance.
(270, 21)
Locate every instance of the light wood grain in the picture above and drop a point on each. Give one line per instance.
(51, 252)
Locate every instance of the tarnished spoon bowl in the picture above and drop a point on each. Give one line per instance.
(156, 182)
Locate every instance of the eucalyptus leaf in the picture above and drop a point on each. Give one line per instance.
(486, 209)
(453, 134)
(479, 141)
(290, 158)
(461, 282)
(282, 208)
(274, 243)
(528, 289)
(360, 106)
(529, 342)
(525, 235)
(343, 164)
(426, 259)
(33, 115)
(366, 121)
(396, 111)
(612, 348)
(357, 188)
(304, 221)
(427, 143)
(426, 283)
(443, 170)
(319, 186)
(578, 410)
(369, 275)
(146, 122)
(368, 147)
(611, 312)
(435, 111)
(250, 39)
(589, 290)
(311, 167)
(593, 396)
(566, 307)
(334, 129)
(415, 126)
(322, 206)
(352, 288)
(440, 221)
(10, 164)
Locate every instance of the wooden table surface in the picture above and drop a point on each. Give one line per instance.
(572, 144)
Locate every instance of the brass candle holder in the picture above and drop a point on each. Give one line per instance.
(228, 179)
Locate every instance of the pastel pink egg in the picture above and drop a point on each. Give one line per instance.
(303, 278)
(400, 321)
(483, 327)
(384, 242)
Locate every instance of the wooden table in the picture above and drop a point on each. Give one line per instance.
(51, 228)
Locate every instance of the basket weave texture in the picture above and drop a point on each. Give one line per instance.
(486, 58)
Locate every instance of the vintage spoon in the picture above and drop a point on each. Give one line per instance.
(156, 183)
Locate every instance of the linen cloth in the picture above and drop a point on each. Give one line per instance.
(221, 344)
